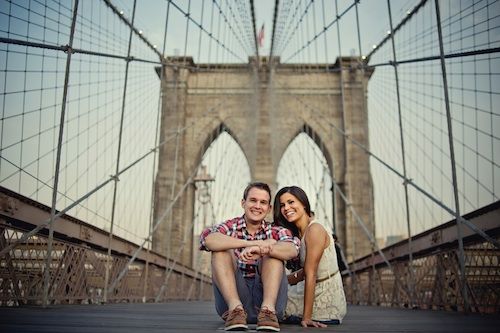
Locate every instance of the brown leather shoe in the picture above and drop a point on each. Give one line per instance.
(267, 321)
(236, 320)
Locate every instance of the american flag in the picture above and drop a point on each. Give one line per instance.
(260, 36)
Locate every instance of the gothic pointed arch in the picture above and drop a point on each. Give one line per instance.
(212, 135)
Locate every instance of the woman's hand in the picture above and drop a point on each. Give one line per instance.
(311, 323)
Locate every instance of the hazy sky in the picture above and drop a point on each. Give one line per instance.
(32, 81)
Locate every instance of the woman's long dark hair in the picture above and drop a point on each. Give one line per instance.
(279, 219)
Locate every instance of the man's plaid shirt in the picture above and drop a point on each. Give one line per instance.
(237, 228)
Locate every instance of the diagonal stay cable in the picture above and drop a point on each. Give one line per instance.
(133, 28)
(230, 27)
(156, 225)
(252, 7)
(396, 28)
(359, 220)
(292, 33)
(273, 34)
(96, 189)
(407, 180)
(203, 29)
(325, 29)
(160, 220)
(197, 266)
(421, 190)
(170, 268)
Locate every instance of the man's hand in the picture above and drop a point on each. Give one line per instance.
(250, 253)
(259, 249)
(266, 246)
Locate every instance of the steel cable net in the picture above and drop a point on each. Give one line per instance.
(111, 106)
(472, 101)
(470, 41)
(110, 95)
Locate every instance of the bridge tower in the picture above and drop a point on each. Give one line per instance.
(263, 105)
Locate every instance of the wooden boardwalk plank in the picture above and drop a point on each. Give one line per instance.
(194, 317)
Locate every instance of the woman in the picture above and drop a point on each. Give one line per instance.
(315, 295)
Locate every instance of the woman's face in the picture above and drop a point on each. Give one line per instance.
(291, 208)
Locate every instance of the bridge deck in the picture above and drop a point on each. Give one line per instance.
(200, 317)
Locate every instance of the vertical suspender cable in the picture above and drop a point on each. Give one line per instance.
(187, 31)
(276, 7)
(48, 259)
(324, 35)
(354, 281)
(309, 66)
(157, 138)
(314, 32)
(199, 38)
(252, 8)
(403, 157)
(342, 109)
(211, 32)
(461, 257)
(176, 155)
(118, 155)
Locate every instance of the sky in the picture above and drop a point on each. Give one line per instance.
(32, 97)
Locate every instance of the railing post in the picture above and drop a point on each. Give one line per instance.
(461, 257)
(48, 259)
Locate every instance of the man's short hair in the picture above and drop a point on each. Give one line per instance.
(259, 185)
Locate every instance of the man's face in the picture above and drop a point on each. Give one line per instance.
(256, 205)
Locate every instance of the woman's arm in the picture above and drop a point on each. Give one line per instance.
(316, 241)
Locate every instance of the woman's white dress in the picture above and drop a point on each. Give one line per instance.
(329, 297)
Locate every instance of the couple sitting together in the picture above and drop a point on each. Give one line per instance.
(248, 272)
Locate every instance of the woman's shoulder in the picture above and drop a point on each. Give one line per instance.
(316, 225)
(315, 229)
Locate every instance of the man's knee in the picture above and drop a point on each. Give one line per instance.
(271, 263)
(224, 257)
(221, 255)
(223, 260)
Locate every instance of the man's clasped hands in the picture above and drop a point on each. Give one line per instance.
(260, 248)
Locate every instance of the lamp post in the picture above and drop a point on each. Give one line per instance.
(201, 184)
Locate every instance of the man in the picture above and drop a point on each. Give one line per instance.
(247, 264)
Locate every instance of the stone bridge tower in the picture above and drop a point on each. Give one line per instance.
(263, 105)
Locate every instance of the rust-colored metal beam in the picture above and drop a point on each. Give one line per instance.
(25, 214)
(441, 237)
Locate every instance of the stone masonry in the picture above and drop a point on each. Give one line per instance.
(263, 105)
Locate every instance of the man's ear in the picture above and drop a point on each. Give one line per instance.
(243, 203)
(269, 212)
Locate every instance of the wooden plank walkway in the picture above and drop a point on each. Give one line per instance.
(194, 317)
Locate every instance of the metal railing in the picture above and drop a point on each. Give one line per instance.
(436, 270)
(78, 263)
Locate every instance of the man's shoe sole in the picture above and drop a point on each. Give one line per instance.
(268, 329)
(236, 327)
